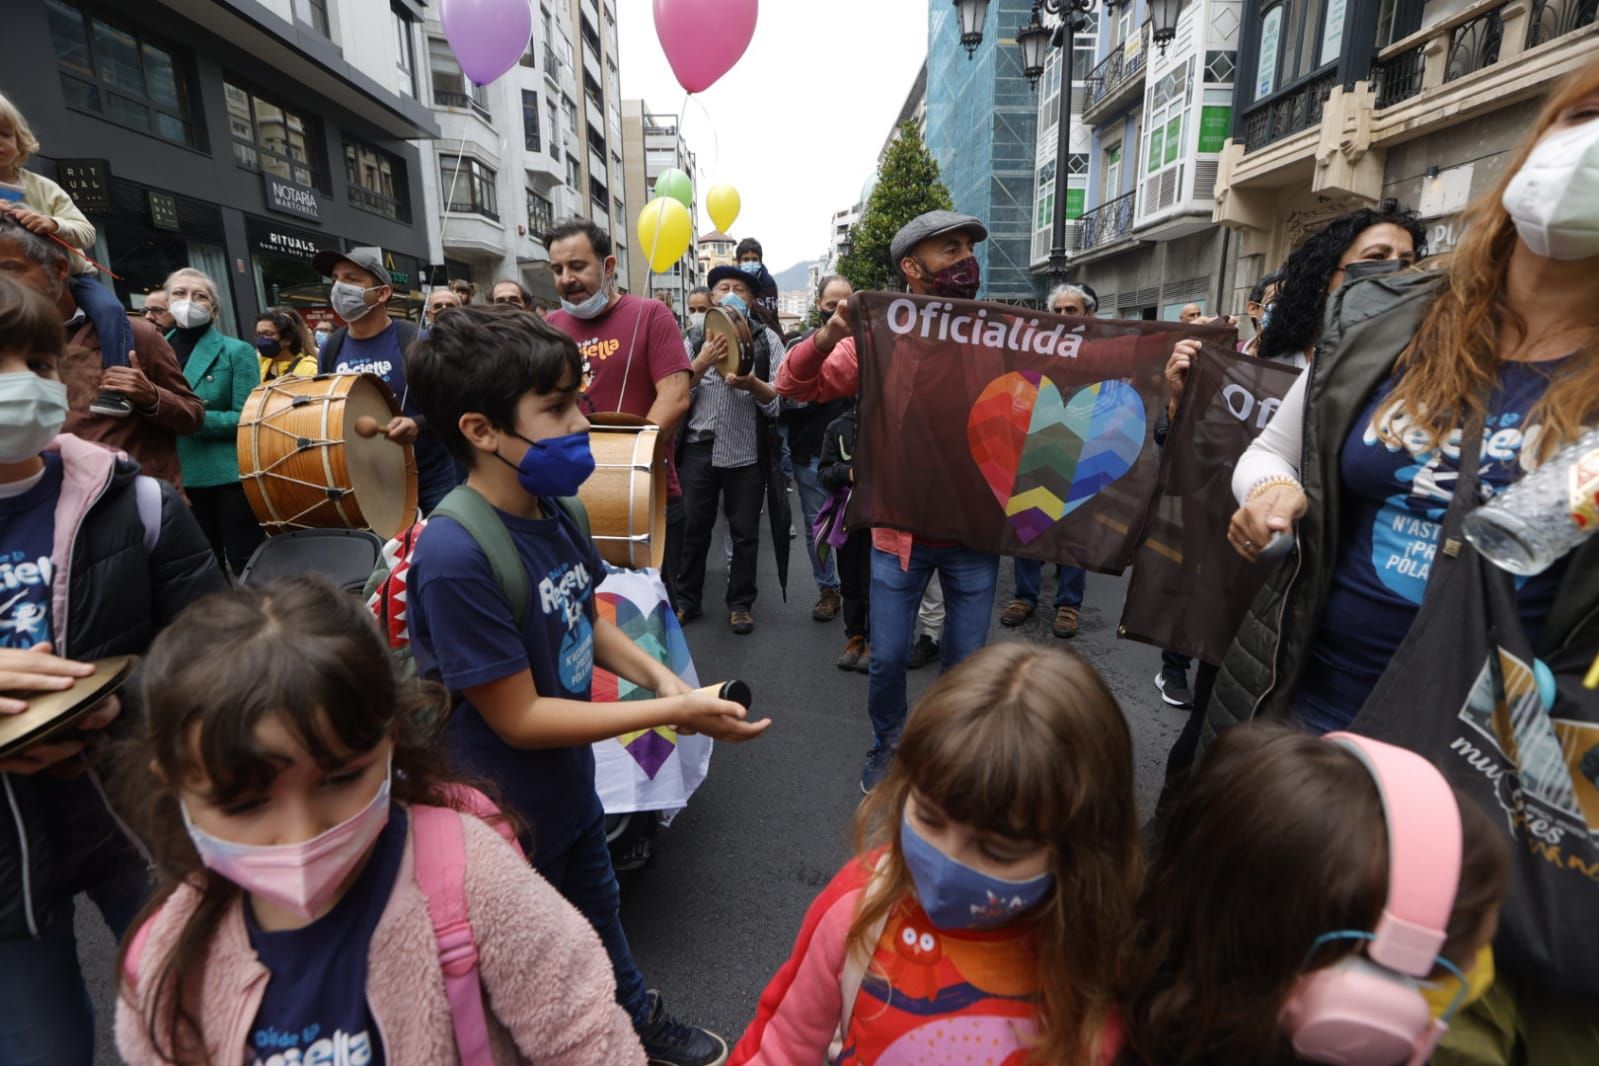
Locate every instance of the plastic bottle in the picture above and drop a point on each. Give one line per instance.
(1546, 514)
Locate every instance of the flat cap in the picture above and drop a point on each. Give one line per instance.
(931, 224)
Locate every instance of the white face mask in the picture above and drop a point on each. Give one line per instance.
(1554, 197)
(188, 314)
(696, 319)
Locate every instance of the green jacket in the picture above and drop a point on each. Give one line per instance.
(1368, 326)
(221, 370)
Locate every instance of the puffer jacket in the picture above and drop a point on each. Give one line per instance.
(108, 597)
(1368, 326)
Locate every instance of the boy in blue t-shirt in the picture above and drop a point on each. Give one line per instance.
(500, 388)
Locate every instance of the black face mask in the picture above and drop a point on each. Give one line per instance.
(1371, 268)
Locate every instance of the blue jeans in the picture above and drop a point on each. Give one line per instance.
(1030, 581)
(812, 496)
(583, 874)
(45, 1015)
(969, 579)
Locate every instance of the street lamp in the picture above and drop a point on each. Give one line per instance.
(1162, 21)
(972, 15)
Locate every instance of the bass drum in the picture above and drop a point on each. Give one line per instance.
(304, 465)
(626, 496)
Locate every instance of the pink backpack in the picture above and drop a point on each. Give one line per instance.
(439, 846)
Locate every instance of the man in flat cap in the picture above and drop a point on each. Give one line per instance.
(933, 253)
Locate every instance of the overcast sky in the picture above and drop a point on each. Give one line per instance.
(798, 122)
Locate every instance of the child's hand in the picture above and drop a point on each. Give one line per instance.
(718, 719)
(669, 684)
(35, 669)
(43, 225)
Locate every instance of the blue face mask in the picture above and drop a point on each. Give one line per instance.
(734, 302)
(555, 466)
(751, 267)
(956, 896)
(589, 308)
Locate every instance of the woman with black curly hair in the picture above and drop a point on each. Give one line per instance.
(1316, 269)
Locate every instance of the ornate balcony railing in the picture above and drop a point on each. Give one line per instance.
(1288, 113)
(1399, 77)
(1110, 221)
(1474, 45)
(1111, 73)
(1556, 18)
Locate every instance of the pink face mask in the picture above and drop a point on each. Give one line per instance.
(297, 877)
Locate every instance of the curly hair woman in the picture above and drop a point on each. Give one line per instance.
(1316, 269)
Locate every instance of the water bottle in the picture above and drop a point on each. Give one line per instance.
(1544, 515)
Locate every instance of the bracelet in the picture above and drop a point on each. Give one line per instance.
(1271, 481)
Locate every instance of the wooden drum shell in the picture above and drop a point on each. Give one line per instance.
(626, 496)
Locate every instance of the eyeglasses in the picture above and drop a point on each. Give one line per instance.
(151, 312)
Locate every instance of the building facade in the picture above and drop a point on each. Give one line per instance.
(1343, 104)
(236, 136)
(981, 128)
(1048, 137)
(714, 249)
(652, 143)
(599, 174)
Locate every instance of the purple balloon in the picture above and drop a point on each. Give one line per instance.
(487, 36)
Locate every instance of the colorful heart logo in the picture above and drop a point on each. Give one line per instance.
(1044, 456)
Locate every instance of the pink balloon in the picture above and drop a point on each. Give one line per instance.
(704, 38)
(487, 36)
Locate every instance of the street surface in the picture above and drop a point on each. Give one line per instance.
(716, 912)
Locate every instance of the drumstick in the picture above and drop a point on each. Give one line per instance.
(367, 426)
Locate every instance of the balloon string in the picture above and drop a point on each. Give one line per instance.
(649, 274)
(455, 176)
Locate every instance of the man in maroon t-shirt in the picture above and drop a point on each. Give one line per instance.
(633, 352)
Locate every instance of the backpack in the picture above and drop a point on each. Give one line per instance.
(439, 851)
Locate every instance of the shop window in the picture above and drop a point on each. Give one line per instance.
(451, 88)
(530, 120)
(272, 138)
(120, 75)
(468, 188)
(377, 181)
(404, 50)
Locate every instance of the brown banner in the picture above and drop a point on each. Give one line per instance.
(1008, 430)
(1189, 589)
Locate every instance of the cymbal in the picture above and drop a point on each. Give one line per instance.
(50, 713)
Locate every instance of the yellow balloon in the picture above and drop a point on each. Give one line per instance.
(722, 203)
(664, 232)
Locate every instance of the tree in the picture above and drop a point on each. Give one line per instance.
(907, 185)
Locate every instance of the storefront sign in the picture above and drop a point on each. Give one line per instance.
(404, 270)
(1215, 125)
(291, 198)
(164, 211)
(268, 239)
(87, 181)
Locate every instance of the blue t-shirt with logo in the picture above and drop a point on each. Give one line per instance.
(1395, 500)
(27, 537)
(383, 356)
(464, 634)
(314, 1009)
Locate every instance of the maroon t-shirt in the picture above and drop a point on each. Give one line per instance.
(635, 330)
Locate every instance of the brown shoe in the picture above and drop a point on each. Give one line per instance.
(828, 606)
(1016, 612)
(851, 653)
(1065, 623)
(742, 623)
(864, 664)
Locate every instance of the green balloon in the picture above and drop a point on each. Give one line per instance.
(676, 184)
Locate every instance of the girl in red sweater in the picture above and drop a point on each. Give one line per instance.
(997, 864)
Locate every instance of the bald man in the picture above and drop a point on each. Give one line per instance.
(1191, 313)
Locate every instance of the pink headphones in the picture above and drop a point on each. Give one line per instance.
(1366, 1010)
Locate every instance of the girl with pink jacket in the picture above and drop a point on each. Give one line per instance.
(296, 812)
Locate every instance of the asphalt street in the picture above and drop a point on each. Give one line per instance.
(716, 911)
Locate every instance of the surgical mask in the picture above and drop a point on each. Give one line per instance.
(188, 314)
(321, 338)
(1554, 197)
(751, 267)
(734, 302)
(301, 878)
(696, 320)
(958, 281)
(955, 896)
(348, 300)
(268, 347)
(32, 411)
(555, 466)
(591, 307)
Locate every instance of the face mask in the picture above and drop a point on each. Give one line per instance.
(188, 314)
(1554, 197)
(303, 877)
(268, 347)
(555, 466)
(32, 411)
(1440, 995)
(591, 307)
(955, 896)
(1371, 268)
(321, 337)
(751, 267)
(734, 302)
(1265, 317)
(350, 300)
(696, 320)
(958, 281)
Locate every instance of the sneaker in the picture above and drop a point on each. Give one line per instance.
(876, 765)
(827, 606)
(1017, 612)
(669, 1042)
(1065, 625)
(851, 655)
(111, 405)
(741, 622)
(926, 651)
(1174, 689)
(864, 663)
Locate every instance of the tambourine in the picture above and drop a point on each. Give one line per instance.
(50, 713)
(740, 357)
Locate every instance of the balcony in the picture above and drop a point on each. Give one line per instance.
(1116, 80)
(1288, 113)
(1106, 224)
(462, 101)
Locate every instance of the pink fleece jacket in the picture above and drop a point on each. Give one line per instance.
(547, 982)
